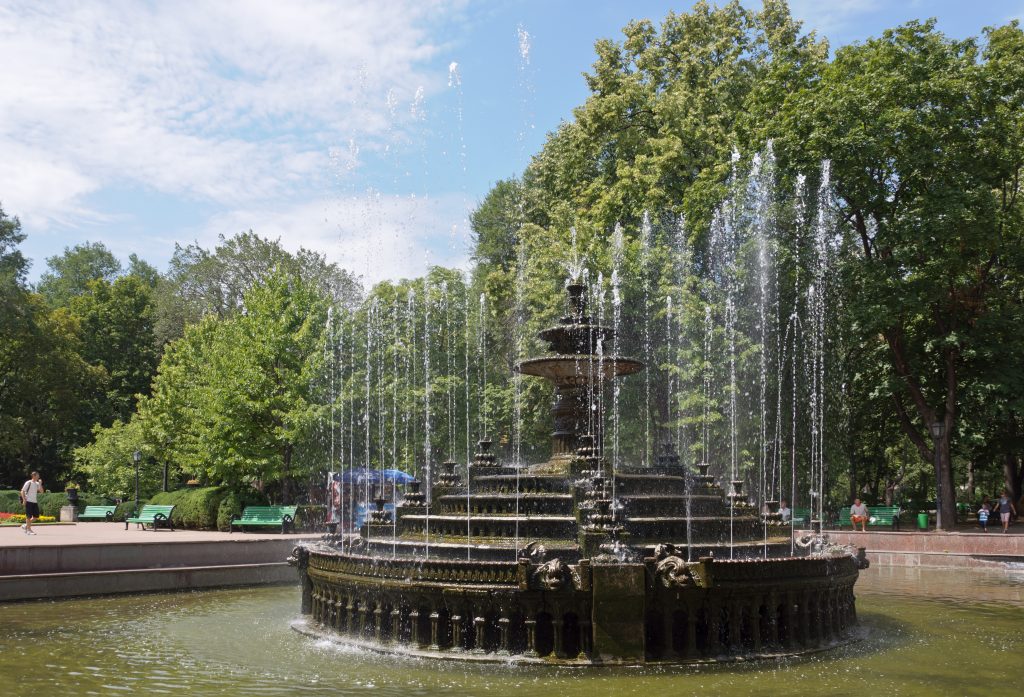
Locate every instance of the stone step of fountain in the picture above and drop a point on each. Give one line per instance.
(507, 504)
(452, 547)
(522, 483)
(555, 527)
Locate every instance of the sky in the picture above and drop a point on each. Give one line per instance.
(367, 131)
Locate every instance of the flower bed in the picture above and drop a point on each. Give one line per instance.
(19, 518)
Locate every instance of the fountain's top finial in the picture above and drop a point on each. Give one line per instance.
(577, 298)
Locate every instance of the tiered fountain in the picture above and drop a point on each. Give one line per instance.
(574, 561)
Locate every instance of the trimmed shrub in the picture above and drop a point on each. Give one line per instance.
(50, 502)
(310, 517)
(194, 508)
(232, 505)
(126, 509)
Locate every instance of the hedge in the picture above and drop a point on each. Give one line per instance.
(50, 502)
(193, 508)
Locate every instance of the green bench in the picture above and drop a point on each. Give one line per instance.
(801, 517)
(878, 516)
(97, 513)
(266, 516)
(153, 515)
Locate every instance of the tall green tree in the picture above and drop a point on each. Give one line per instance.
(116, 325)
(924, 137)
(70, 273)
(235, 399)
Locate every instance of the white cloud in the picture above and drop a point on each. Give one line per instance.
(375, 236)
(830, 16)
(230, 102)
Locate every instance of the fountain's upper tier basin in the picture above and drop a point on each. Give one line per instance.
(579, 369)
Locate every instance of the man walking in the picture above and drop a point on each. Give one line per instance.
(30, 498)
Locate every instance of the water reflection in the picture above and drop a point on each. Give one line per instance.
(927, 632)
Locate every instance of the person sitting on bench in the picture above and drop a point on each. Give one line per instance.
(859, 514)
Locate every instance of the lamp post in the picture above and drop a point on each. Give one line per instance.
(137, 457)
(938, 429)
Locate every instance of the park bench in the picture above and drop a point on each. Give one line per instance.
(801, 517)
(154, 515)
(97, 513)
(878, 516)
(266, 516)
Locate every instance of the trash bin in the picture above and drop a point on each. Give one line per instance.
(922, 521)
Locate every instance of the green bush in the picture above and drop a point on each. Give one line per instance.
(193, 508)
(310, 518)
(232, 505)
(50, 502)
(126, 509)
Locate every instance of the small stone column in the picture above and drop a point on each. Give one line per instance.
(504, 626)
(396, 625)
(755, 623)
(531, 638)
(478, 626)
(586, 637)
(805, 619)
(691, 633)
(667, 629)
(414, 627)
(714, 618)
(558, 624)
(735, 625)
(435, 626)
(773, 619)
(378, 623)
(457, 641)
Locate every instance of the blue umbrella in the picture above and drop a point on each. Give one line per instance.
(398, 476)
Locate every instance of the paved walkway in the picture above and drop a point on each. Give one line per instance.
(114, 534)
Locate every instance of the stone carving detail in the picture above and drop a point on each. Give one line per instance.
(673, 572)
(555, 575)
(535, 553)
(299, 557)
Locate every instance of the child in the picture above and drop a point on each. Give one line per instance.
(983, 516)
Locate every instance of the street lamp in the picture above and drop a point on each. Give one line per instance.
(137, 457)
(938, 430)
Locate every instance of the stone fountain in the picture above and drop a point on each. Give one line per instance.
(543, 564)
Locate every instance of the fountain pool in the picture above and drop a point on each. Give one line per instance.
(926, 632)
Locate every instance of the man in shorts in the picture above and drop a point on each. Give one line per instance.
(30, 498)
(859, 514)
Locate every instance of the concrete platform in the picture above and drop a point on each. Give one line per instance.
(964, 548)
(99, 558)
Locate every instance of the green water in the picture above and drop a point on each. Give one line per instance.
(936, 633)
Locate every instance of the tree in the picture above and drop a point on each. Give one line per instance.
(43, 380)
(924, 138)
(70, 273)
(116, 325)
(201, 282)
(234, 400)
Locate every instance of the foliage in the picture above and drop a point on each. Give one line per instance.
(235, 502)
(108, 465)
(50, 502)
(116, 325)
(196, 509)
(200, 282)
(70, 273)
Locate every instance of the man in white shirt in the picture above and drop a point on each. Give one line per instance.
(784, 512)
(30, 498)
(859, 514)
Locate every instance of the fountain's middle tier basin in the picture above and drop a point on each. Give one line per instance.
(578, 370)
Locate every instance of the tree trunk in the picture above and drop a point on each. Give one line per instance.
(946, 501)
(970, 479)
(1012, 476)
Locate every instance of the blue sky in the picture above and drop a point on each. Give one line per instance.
(365, 130)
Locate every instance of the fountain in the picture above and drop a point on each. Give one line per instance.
(573, 560)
